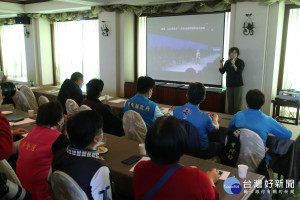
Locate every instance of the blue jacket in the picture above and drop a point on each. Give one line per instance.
(257, 121)
(202, 121)
(143, 106)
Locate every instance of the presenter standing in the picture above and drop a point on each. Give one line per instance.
(234, 80)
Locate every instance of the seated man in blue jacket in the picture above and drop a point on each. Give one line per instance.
(257, 121)
(141, 103)
(71, 89)
(204, 122)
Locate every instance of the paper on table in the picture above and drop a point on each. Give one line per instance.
(164, 110)
(224, 175)
(24, 135)
(117, 101)
(143, 158)
(6, 112)
(25, 121)
(103, 97)
(35, 87)
(52, 91)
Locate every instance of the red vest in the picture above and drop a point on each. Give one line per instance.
(6, 139)
(34, 161)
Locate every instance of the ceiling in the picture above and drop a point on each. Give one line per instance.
(10, 8)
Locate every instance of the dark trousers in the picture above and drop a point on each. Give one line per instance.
(234, 98)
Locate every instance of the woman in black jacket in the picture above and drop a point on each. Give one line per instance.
(234, 80)
(112, 124)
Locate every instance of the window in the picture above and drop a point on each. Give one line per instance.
(13, 52)
(142, 46)
(291, 67)
(226, 42)
(77, 49)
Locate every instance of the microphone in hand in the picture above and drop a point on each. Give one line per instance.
(233, 61)
(221, 61)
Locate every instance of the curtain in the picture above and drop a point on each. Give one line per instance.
(200, 7)
(77, 49)
(142, 43)
(291, 67)
(226, 43)
(13, 51)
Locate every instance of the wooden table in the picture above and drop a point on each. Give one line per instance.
(224, 119)
(117, 109)
(44, 91)
(18, 113)
(51, 92)
(277, 103)
(121, 148)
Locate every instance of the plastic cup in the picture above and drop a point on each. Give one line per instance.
(142, 149)
(242, 169)
(30, 113)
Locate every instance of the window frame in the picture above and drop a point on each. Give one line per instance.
(283, 44)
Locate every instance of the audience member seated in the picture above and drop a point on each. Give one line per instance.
(256, 120)
(112, 123)
(19, 132)
(6, 101)
(6, 139)
(7, 136)
(81, 160)
(204, 122)
(71, 89)
(37, 149)
(165, 143)
(141, 103)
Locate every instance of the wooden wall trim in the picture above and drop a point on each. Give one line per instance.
(53, 54)
(136, 48)
(283, 45)
(177, 97)
(1, 56)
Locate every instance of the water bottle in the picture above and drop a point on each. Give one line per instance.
(31, 83)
